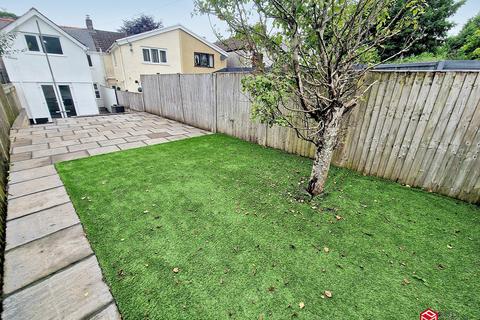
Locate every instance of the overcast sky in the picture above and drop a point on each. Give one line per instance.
(108, 15)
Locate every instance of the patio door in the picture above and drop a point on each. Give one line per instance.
(67, 100)
(51, 100)
(62, 106)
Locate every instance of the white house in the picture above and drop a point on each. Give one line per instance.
(50, 69)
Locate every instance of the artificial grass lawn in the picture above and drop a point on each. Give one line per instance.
(230, 215)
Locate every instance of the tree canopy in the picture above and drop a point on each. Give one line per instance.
(140, 24)
(466, 44)
(320, 52)
(433, 27)
(6, 14)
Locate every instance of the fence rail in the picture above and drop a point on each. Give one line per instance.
(417, 128)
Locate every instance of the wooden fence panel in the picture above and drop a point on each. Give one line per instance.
(198, 100)
(418, 128)
(132, 100)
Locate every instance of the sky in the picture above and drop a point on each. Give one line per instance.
(108, 15)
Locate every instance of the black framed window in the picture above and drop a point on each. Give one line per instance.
(32, 43)
(52, 45)
(89, 59)
(205, 60)
(97, 91)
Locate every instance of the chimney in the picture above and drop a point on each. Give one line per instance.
(89, 23)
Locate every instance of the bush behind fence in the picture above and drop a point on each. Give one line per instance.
(417, 128)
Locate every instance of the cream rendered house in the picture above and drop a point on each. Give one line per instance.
(168, 50)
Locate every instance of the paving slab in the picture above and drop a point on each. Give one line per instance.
(112, 142)
(29, 164)
(31, 203)
(102, 150)
(39, 225)
(21, 156)
(70, 156)
(16, 190)
(38, 259)
(19, 176)
(159, 135)
(33, 147)
(131, 145)
(109, 313)
(49, 152)
(74, 293)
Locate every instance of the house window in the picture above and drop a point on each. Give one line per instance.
(32, 43)
(52, 45)
(203, 60)
(97, 91)
(153, 55)
(89, 59)
(146, 55)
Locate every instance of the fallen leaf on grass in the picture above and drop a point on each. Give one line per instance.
(327, 293)
(176, 270)
(301, 305)
(338, 217)
(326, 250)
(449, 246)
(405, 282)
(420, 279)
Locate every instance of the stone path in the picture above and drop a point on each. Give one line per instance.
(50, 270)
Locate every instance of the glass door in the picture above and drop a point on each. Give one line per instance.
(51, 100)
(67, 100)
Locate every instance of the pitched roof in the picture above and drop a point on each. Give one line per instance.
(5, 21)
(155, 32)
(35, 13)
(231, 44)
(95, 40)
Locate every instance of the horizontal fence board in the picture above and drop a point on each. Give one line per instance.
(417, 128)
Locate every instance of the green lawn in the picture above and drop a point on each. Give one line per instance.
(230, 215)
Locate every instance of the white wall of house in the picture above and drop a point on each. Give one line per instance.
(28, 70)
(98, 74)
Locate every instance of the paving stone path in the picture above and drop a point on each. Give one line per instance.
(50, 270)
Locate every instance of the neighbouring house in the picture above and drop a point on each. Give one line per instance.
(97, 42)
(174, 49)
(238, 55)
(49, 69)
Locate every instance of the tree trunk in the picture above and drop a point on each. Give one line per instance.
(323, 154)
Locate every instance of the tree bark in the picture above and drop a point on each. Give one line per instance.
(324, 153)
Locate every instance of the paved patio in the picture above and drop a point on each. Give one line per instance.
(50, 270)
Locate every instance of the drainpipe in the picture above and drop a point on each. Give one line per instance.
(55, 87)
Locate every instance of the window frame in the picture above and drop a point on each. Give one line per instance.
(151, 55)
(96, 89)
(209, 55)
(41, 45)
(89, 60)
(59, 43)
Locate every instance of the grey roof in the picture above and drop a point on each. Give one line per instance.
(82, 35)
(95, 40)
